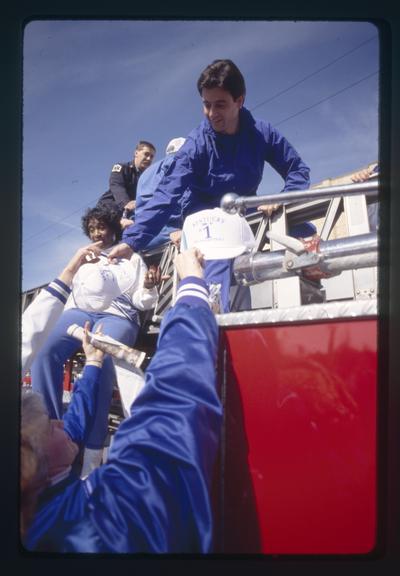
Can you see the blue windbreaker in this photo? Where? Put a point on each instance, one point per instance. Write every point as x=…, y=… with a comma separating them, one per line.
x=209, y=165
x=149, y=182
x=152, y=494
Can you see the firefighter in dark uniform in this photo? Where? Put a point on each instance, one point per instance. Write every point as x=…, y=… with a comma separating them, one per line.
x=121, y=194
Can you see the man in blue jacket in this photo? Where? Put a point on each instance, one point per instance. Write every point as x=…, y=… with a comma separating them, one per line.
x=148, y=183
x=225, y=153
x=152, y=494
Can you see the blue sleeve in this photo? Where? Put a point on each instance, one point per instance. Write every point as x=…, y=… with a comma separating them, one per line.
x=164, y=203
x=152, y=495
x=81, y=411
x=285, y=160
x=148, y=183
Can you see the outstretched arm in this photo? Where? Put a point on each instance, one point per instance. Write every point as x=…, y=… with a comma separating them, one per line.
x=365, y=174
x=81, y=411
x=164, y=202
x=285, y=159
x=41, y=315
x=157, y=478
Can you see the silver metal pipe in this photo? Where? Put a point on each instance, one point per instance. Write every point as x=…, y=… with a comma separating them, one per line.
x=337, y=255
x=233, y=203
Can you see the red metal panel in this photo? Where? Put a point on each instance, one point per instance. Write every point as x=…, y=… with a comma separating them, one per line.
x=299, y=448
x=67, y=378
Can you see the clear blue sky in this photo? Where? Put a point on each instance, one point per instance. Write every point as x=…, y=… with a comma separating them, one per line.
x=92, y=89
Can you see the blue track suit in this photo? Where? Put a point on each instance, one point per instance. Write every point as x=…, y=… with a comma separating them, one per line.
x=209, y=165
x=152, y=494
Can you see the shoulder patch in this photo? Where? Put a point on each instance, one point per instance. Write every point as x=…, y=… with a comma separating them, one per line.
x=116, y=168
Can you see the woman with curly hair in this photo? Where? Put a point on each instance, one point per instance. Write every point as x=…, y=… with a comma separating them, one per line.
x=119, y=318
x=106, y=216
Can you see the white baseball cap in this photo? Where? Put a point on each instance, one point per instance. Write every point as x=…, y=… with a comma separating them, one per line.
x=95, y=285
x=217, y=234
x=174, y=145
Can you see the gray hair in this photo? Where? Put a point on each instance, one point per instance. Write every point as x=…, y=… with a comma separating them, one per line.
x=33, y=469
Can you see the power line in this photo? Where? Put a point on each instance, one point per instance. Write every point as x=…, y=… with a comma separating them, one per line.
x=52, y=240
x=252, y=109
x=56, y=222
x=328, y=97
x=312, y=74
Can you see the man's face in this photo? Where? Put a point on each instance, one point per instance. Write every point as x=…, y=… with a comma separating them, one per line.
x=221, y=109
x=143, y=158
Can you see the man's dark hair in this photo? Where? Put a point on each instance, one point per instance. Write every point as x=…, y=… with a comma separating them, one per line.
x=105, y=215
x=144, y=144
x=223, y=74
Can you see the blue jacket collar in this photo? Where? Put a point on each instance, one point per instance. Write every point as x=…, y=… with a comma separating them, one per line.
x=246, y=122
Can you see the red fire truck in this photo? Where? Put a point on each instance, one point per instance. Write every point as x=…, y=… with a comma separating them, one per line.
x=298, y=468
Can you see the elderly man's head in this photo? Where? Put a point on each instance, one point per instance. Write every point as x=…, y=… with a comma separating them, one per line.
x=46, y=451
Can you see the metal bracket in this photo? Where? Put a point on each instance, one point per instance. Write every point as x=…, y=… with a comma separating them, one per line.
x=298, y=262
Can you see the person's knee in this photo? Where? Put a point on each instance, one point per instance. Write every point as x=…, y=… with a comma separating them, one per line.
x=51, y=354
x=124, y=330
